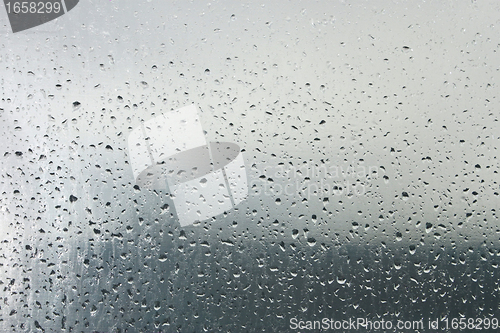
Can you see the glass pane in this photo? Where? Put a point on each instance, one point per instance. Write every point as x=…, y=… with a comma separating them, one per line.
x=276, y=166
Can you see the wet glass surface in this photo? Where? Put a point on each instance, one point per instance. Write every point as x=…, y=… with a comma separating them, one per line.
x=337, y=162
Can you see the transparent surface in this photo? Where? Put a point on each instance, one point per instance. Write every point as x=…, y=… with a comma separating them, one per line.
x=367, y=135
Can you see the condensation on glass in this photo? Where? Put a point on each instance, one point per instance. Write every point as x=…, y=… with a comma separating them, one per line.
x=250, y=167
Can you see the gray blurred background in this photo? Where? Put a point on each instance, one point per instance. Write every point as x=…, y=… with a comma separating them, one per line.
x=394, y=99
